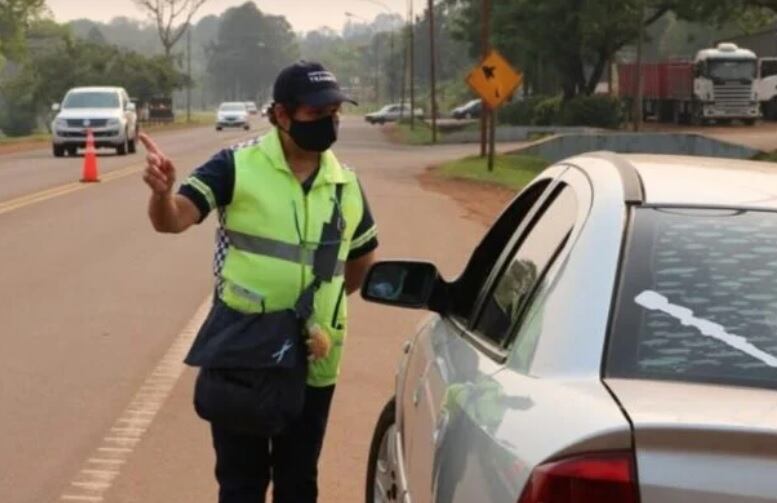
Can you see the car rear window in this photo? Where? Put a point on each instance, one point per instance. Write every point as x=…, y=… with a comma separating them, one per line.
x=698, y=298
x=91, y=100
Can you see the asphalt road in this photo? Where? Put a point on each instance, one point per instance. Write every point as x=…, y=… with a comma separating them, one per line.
x=97, y=310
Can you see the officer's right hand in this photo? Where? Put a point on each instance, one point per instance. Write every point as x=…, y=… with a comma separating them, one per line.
x=159, y=174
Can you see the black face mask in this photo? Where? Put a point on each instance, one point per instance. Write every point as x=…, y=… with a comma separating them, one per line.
x=314, y=136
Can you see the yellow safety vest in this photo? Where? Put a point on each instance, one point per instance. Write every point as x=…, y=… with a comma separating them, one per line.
x=273, y=229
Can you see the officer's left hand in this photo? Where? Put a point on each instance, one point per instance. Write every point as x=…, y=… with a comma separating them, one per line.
x=319, y=343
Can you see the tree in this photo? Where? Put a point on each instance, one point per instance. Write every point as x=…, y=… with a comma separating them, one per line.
x=452, y=59
x=15, y=17
x=57, y=61
x=172, y=18
x=140, y=36
x=96, y=36
x=574, y=38
x=250, y=50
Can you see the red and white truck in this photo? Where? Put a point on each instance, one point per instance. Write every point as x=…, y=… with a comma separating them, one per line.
x=719, y=85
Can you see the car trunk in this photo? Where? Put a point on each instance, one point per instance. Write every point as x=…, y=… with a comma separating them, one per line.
x=702, y=443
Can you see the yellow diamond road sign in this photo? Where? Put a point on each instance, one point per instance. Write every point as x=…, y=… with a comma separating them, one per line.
x=494, y=79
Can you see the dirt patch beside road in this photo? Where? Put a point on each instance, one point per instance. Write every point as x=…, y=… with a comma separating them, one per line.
x=13, y=147
x=482, y=202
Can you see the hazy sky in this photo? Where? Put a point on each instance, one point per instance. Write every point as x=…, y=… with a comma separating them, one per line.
x=304, y=15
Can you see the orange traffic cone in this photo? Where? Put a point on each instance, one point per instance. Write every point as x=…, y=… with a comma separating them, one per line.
x=90, y=160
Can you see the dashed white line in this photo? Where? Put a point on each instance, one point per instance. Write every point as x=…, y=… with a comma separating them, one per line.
x=96, y=475
x=103, y=461
x=81, y=497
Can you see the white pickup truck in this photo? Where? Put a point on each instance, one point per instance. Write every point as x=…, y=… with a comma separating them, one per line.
x=392, y=113
x=107, y=111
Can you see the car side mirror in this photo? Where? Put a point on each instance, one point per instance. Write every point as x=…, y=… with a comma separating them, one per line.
x=55, y=107
x=131, y=107
x=404, y=284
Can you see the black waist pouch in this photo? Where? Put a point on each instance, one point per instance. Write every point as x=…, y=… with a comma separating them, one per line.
x=252, y=370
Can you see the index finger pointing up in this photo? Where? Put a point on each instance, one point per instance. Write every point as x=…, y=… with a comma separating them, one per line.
x=150, y=145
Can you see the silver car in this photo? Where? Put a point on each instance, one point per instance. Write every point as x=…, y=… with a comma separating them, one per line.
x=107, y=111
x=612, y=339
x=232, y=114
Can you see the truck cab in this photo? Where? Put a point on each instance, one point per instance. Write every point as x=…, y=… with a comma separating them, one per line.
x=725, y=84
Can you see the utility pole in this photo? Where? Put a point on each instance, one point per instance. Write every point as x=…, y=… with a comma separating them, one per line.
x=485, y=46
x=637, y=109
x=393, y=64
x=432, y=71
x=412, y=70
x=404, y=76
x=376, y=39
x=189, y=73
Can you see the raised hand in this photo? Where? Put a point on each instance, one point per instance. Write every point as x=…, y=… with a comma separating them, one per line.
x=159, y=174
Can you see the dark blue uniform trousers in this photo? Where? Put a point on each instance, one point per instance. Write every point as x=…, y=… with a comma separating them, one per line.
x=245, y=464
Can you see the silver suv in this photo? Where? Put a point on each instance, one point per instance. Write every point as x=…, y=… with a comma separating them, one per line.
x=612, y=339
x=107, y=111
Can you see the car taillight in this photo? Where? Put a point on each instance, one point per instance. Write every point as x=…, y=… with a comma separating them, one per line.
x=595, y=478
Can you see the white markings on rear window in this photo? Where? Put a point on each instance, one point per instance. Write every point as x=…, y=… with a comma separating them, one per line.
x=654, y=301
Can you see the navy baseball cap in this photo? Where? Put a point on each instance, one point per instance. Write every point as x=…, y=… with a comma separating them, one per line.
x=308, y=83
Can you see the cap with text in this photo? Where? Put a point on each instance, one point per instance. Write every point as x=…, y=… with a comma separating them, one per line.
x=308, y=83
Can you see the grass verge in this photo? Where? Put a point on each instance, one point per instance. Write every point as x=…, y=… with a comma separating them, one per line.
x=420, y=134
x=513, y=171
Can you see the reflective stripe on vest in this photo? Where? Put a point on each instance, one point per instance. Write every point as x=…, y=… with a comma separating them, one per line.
x=276, y=249
x=274, y=228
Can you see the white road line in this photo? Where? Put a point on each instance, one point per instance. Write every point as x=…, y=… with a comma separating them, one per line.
x=79, y=497
x=92, y=486
x=91, y=483
x=103, y=461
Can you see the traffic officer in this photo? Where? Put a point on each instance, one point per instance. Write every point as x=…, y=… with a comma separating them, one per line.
x=274, y=195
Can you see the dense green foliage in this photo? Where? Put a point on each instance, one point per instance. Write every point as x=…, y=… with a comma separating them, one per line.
x=55, y=61
x=595, y=111
x=15, y=18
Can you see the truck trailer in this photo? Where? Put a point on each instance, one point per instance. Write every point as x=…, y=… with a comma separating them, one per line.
x=718, y=85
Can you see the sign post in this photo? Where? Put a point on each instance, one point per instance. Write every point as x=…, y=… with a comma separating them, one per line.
x=494, y=80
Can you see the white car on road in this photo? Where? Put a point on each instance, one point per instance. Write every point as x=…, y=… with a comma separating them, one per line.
x=392, y=113
x=107, y=111
x=232, y=114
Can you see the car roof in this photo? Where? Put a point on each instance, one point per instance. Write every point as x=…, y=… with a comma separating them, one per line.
x=95, y=89
x=707, y=181
x=242, y=103
x=703, y=181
